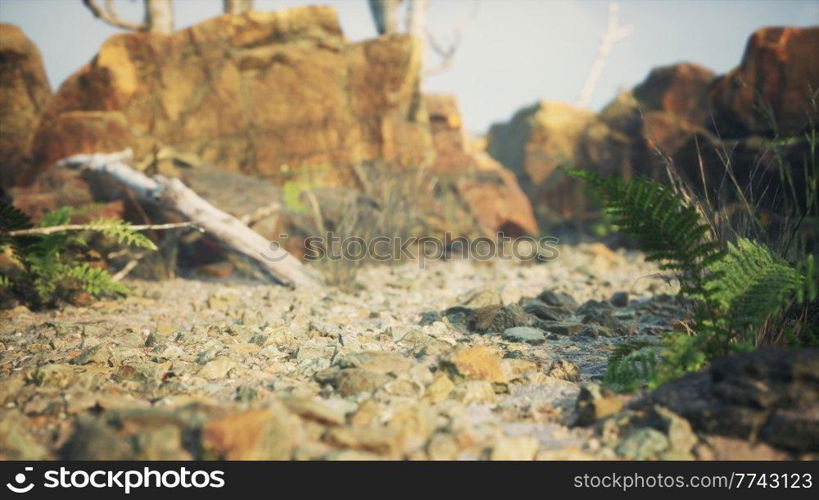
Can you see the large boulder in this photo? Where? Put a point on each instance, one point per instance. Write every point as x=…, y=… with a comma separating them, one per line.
x=263, y=93
x=538, y=139
x=24, y=92
x=679, y=89
x=771, y=394
x=490, y=193
x=533, y=144
x=771, y=90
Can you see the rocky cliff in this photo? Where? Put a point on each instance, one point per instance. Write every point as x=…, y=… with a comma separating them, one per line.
x=24, y=92
x=251, y=93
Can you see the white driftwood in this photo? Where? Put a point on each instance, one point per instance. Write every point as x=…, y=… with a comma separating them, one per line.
x=172, y=194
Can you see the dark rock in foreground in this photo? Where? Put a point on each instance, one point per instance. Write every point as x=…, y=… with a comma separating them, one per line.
x=771, y=395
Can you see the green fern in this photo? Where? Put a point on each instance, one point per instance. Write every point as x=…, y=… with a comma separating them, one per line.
x=669, y=231
x=735, y=293
x=122, y=232
x=47, y=258
x=754, y=284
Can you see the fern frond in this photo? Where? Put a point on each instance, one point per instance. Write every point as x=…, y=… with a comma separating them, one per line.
x=92, y=280
x=754, y=284
x=670, y=232
x=122, y=232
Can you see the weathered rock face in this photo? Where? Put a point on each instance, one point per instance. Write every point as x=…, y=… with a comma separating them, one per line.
x=778, y=73
x=536, y=141
x=447, y=134
x=770, y=393
x=680, y=89
x=490, y=192
x=24, y=91
x=667, y=121
x=251, y=93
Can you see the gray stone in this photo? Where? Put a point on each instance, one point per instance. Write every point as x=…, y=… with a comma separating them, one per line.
x=525, y=334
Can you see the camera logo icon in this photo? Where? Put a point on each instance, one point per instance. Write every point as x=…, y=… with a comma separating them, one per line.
x=20, y=479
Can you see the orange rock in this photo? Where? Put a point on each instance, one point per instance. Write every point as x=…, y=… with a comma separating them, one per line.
x=253, y=93
x=253, y=435
x=24, y=91
x=778, y=72
x=478, y=363
x=679, y=89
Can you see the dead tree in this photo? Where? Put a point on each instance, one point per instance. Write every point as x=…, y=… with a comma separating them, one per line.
x=171, y=194
x=385, y=15
x=158, y=15
x=614, y=33
x=237, y=6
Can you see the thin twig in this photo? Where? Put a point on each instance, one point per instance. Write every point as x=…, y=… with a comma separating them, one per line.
x=127, y=268
x=88, y=227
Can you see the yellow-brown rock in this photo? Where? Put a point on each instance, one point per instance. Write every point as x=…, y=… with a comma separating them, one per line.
x=263, y=93
x=490, y=192
x=24, y=92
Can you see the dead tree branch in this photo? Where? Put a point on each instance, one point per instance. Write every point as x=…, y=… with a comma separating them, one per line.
x=445, y=52
x=172, y=194
x=42, y=231
x=614, y=33
x=109, y=15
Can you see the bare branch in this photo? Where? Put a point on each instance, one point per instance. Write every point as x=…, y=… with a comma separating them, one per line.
x=263, y=212
x=446, y=53
x=614, y=33
x=172, y=194
x=89, y=227
x=109, y=16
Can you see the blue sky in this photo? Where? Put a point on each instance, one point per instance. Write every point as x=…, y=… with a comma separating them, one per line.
x=512, y=53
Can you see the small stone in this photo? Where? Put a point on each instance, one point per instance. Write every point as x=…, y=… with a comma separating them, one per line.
x=476, y=363
x=497, y=318
x=377, y=440
x=544, y=311
x=430, y=317
x=353, y=381
x=558, y=299
x=475, y=392
x=94, y=354
x=515, y=448
x=644, y=444
x=566, y=328
x=218, y=368
x=593, y=403
x=525, y=334
x=619, y=299
x=442, y=447
x=268, y=434
x=439, y=390
x=563, y=370
x=246, y=394
x=315, y=410
x=378, y=362
x=516, y=369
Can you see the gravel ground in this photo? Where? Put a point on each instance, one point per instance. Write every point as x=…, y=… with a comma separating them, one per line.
x=459, y=360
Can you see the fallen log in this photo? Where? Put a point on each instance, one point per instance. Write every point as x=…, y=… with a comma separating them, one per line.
x=173, y=194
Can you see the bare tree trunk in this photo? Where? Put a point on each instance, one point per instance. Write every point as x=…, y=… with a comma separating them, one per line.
x=417, y=18
x=172, y=194
x=159, y=16
x=385, y=15
x=237, y=6
x=614, y=33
